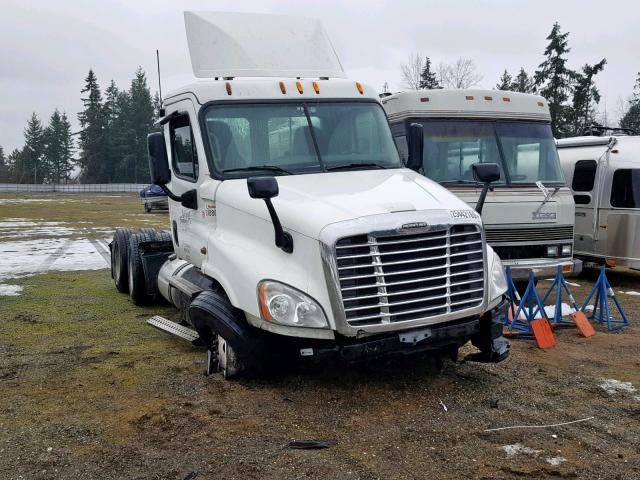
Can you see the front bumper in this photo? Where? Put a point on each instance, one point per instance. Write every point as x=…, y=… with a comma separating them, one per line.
x=543, y=268
x=485, y=332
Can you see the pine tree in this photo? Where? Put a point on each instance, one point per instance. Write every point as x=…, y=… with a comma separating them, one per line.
x=32, y=167
x=585, y=97
x=523, y=83
x=92, y=135
x=631, y=118
x=58, y=152
x=554, y=81
x=4, y=177
x=14, y=160
x=428, y=78
x=505, y=82
x=140, y=123
x=112, y=114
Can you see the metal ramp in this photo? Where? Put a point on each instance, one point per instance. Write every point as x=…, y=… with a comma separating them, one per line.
x=166, y=325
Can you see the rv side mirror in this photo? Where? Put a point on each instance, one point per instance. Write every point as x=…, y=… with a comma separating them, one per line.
x=158, y=161
x=265, y=188
x=416, y=146
x=262, y=187
x=485, y=173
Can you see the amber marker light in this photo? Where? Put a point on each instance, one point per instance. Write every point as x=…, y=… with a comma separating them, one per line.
x=359, y=87
x=316, y=88
x=299, y=87
x=228, y=86
x=263, y=304
x=283, y=89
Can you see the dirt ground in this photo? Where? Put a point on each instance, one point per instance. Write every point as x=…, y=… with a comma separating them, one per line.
x=89, y=391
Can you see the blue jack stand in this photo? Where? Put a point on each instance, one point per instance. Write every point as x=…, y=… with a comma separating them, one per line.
x=560, y=284
x=530, y=305
x=602, y=290
x=514, y=297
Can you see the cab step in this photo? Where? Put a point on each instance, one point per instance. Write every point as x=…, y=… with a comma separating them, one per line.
x=185, y=286
x=166, y=325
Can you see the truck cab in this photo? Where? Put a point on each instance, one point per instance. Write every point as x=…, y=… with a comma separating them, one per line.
x=294, y=227
x=528, y=215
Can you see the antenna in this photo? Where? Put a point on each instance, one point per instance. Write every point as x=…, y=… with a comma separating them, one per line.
x=159, y=82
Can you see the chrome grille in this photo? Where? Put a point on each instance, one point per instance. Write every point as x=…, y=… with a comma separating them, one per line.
x=394, y=278
x=517, y=234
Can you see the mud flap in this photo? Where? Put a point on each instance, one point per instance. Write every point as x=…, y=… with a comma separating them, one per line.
x=493, y=346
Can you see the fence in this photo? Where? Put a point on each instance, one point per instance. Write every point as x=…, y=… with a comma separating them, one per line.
x=71, y=188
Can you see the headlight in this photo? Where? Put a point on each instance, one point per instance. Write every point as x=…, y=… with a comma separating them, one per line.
x=566, y=250
x=285, y=305
x=498, y=281
x=552, y=251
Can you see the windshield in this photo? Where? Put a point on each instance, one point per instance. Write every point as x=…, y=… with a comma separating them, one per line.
x=298, y=137
x=524, y=151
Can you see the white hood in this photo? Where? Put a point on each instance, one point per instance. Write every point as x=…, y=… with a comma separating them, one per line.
x=308, y=203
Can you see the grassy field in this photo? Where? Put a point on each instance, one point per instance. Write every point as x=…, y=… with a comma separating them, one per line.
x=88, y=390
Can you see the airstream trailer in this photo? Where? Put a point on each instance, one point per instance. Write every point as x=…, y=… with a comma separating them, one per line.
x=604, y=175
x=528, y=217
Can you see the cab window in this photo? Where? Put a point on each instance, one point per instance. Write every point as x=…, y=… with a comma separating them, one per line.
x=184, y=157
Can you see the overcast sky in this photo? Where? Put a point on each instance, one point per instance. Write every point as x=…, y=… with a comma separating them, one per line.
x=47, y=47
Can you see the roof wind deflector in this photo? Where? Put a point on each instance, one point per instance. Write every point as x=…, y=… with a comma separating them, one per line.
x=223, y=44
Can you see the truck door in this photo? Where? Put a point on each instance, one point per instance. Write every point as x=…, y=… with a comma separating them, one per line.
x=189, y=172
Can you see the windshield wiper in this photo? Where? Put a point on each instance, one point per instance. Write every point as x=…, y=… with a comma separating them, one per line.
x=273, y=168
x=353, y=166
x=459, y=182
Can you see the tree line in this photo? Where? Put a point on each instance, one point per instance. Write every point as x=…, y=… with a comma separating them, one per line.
x=111, y=146
x=572, y=95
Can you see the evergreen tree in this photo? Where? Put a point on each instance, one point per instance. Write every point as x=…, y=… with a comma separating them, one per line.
x=4, y=177
x=157, y=105
x=140, y=115
x=585, y=97
x=58, y=151
x=523, y=83
x=92, y=135
x=553, y=78
x=14, y=160
x=31, y=166
x=505, y=82
x=631, y=118
x=113, y=135
x=428, y=78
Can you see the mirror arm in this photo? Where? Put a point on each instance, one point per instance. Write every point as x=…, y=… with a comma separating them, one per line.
x=188, y=199
x=483, y=196
x=284, y=240
x=169, y=193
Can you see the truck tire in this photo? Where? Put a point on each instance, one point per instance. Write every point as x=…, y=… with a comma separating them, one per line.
x=227, y=336
x=119, y=259
x=136, y=280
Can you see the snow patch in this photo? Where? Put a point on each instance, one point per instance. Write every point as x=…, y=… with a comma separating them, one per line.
x=518, y=448
x=555, y=461
x=613, y=386
x=7, y=290
x=631, y=293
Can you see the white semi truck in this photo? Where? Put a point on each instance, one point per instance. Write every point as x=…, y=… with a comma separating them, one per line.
x=529, y=213
x=295, y=230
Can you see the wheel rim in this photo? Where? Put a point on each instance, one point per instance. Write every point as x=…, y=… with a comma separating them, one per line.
x=227, y=359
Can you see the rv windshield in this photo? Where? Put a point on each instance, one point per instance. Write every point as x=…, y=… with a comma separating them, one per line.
x=524, y=151
x=294, y=138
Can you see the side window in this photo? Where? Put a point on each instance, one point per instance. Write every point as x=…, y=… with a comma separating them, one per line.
x=403, y=147
x=625, y=190
x=184, y=157
x=584, y=176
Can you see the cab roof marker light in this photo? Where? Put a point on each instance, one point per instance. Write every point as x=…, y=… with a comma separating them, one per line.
x=316, y=88
x=283, y=89
x=506, y=99
x=541, y=104
x=299, y=87
x=487, y=97
x=424, y=99
x=359, y=87
x=469, y=97
x=228, y=87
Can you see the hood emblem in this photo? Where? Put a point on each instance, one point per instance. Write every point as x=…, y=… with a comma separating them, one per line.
x=412, y=227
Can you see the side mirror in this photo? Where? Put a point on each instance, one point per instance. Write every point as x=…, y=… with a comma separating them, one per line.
x=265, y=188
x=158, y=160
x=262, y=187
x=485, y=173
x=416, y=146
